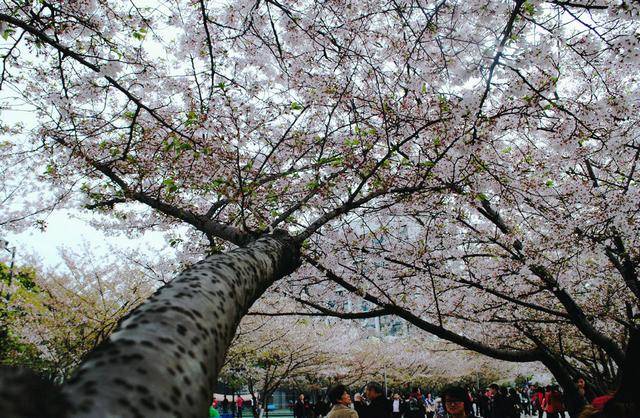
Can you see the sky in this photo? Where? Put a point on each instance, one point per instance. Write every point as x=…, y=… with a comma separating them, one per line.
x=68, y=229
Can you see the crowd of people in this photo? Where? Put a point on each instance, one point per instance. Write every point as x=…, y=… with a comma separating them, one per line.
x=458, y=402
x=454, y=402
x=494, y=402
x=233, y=407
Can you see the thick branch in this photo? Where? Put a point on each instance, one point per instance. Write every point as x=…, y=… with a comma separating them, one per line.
x=574, y=312
x=577, y=315
x=439, y=331
x=621, y=260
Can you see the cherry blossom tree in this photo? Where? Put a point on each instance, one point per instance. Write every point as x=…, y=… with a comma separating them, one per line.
x=55, y=318
x=502, y=134
x=268, y=354
x=306, y=352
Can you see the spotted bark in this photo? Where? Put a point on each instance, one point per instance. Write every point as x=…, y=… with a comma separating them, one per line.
x=164, y=358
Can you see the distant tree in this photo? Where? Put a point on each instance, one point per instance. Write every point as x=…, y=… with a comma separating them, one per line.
x=51, y=321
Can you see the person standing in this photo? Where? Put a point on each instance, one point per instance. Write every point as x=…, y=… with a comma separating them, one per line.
x=322, y=408
x=586, y=397
x=553, y=405
x=525, y=400
x=340, y=399
x=483, y=402
x=299, y=410
x=429, y=405
x=537, y=399
x=415, y=407
x=239, y=404
x=379, y=406
x=513, y=404
x=396, y=406
x=225, y=405
x=457, y=402
x=498, y=404
x=358, y=404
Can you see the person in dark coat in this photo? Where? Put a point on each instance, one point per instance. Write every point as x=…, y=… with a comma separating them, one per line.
x=483, y=402
x=415, y=407
x=379, y=406
x=358, y=404
x=498, y=407
x=299, y=409
x=322, y=408
x=586, y=396
x=513, y=403
x=225, y=404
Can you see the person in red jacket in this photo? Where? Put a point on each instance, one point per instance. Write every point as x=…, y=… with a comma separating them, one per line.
x=552, y=403
x=537, y=397
x=239, y=403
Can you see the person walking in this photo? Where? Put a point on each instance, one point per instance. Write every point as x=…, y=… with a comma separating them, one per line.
x=340, y=399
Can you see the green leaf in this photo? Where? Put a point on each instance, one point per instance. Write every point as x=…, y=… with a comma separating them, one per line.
x=217, y=183
x=140, y=33
x=529, y=8
x=296, y=106
x=7, y=32
x=354, y=142
x=192, y=118
x=443, y=103
x=170, y=184
x=312, y=185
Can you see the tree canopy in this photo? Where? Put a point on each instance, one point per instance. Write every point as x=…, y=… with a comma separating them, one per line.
x=468, y=166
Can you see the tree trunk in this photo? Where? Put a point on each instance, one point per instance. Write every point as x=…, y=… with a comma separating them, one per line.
x=254, y=400
x=566, y=381
x=164, y=358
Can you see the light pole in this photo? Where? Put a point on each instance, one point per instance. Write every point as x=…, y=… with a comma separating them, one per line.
x=378, y=326
x=4, y=245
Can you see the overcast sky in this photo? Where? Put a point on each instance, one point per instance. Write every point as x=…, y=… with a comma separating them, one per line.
x=66, y=229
